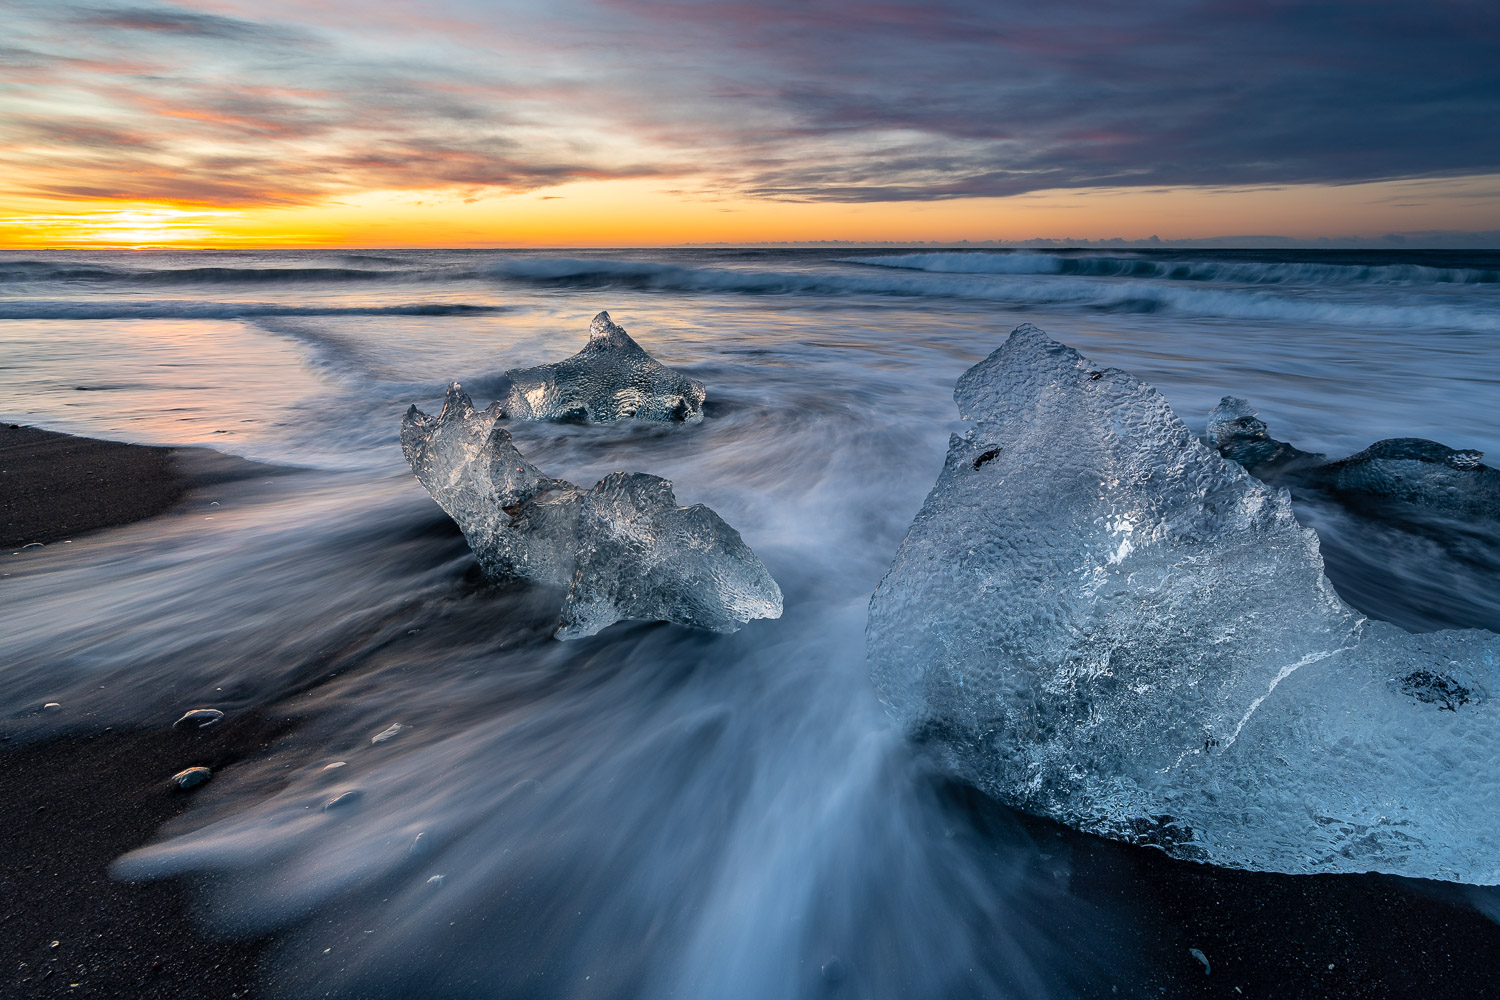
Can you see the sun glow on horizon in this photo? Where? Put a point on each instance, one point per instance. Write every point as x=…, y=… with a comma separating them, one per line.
x=616, y=213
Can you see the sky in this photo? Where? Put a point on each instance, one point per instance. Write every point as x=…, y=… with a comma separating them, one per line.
x=661, y=122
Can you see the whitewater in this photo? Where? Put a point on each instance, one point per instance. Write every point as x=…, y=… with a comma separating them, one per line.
x=652, y=811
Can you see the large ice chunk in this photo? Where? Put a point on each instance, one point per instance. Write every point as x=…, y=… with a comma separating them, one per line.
x=611, y=379
x=624, y=549
x=1096, y=618
x=1413, y=471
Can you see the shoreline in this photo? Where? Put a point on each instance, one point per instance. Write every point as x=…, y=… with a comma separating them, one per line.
x=78, y=800
x=55, y=487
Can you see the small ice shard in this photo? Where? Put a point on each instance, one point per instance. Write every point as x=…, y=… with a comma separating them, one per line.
x=1098, y=619
x=388, y=733
x=192, y=777
x=201, y=718
x=1406, y=470
x=611, y=379
x=623, y=549
x=1241, y=437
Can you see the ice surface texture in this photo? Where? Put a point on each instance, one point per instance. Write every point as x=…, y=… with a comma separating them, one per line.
x=610, y=379
x=624, y=549
x=1096, y=618
x=1402, y=470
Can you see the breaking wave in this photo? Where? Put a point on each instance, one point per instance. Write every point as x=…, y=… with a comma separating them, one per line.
x=1238, y=272
x=34, y=271
x=1017, y=288
x=44, y=309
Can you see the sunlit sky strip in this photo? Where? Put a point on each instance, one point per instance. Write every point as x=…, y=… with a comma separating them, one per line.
x=626, y=122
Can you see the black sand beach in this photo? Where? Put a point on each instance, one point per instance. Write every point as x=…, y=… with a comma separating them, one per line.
x=75, y=803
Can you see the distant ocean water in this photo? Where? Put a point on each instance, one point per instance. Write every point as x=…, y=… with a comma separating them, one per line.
x=652, y=811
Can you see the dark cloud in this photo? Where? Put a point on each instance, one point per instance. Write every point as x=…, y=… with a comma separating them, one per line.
x=274, y=102
x=1012, y=96
x=175, y=21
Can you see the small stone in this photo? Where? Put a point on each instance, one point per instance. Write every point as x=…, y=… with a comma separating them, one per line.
x=192, y=777
x=32, y=545
x=436, y=881
x=52, y=706
x=1202, y=958
x=388, y=733
x=203, y=717
x=832, y=970
x=343, y=799
x=335, y=765
x=420, y=846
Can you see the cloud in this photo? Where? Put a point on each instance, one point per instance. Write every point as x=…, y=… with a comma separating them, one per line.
x=282, y=102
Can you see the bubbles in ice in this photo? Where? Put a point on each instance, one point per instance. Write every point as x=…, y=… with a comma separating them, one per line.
x=624, y=549
x=611, y=379
x=1403, y=470
x=642, y=556
x=1098, y=619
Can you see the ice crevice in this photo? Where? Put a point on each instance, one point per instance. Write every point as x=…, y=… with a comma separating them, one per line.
x=1133, y=698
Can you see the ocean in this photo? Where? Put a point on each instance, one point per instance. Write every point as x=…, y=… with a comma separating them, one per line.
x=652, y=811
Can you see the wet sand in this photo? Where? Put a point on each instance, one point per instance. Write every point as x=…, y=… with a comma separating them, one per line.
x=54, y=487
x=75, y=803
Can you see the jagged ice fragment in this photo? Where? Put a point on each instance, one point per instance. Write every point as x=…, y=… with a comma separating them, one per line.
x=1096, y=618
x=1413, y=471
x=611, y=379
x=623, y=549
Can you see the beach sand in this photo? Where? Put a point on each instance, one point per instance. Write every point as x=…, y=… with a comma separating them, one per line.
x=75, y=803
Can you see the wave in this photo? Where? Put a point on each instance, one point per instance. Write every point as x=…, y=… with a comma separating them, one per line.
x=33, y=271
x=1239, y=272
x=43, y=309
x=1011, y=289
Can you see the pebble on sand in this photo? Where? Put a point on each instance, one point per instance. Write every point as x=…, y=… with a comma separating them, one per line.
x=343, y=799
x=388, y=733
x=192, y=777
x=204, y=717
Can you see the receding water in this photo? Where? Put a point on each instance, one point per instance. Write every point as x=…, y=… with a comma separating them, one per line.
x=653, y=811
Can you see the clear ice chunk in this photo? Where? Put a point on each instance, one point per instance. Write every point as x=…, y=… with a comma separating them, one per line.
x=1405, y=470
x=519, y=522
x=611, y=379
x=642, y=556
x=1096, y=618
x=623, y=549
x=1241, y=436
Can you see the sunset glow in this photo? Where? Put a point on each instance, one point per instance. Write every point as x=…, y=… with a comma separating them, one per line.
x=224, y=123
